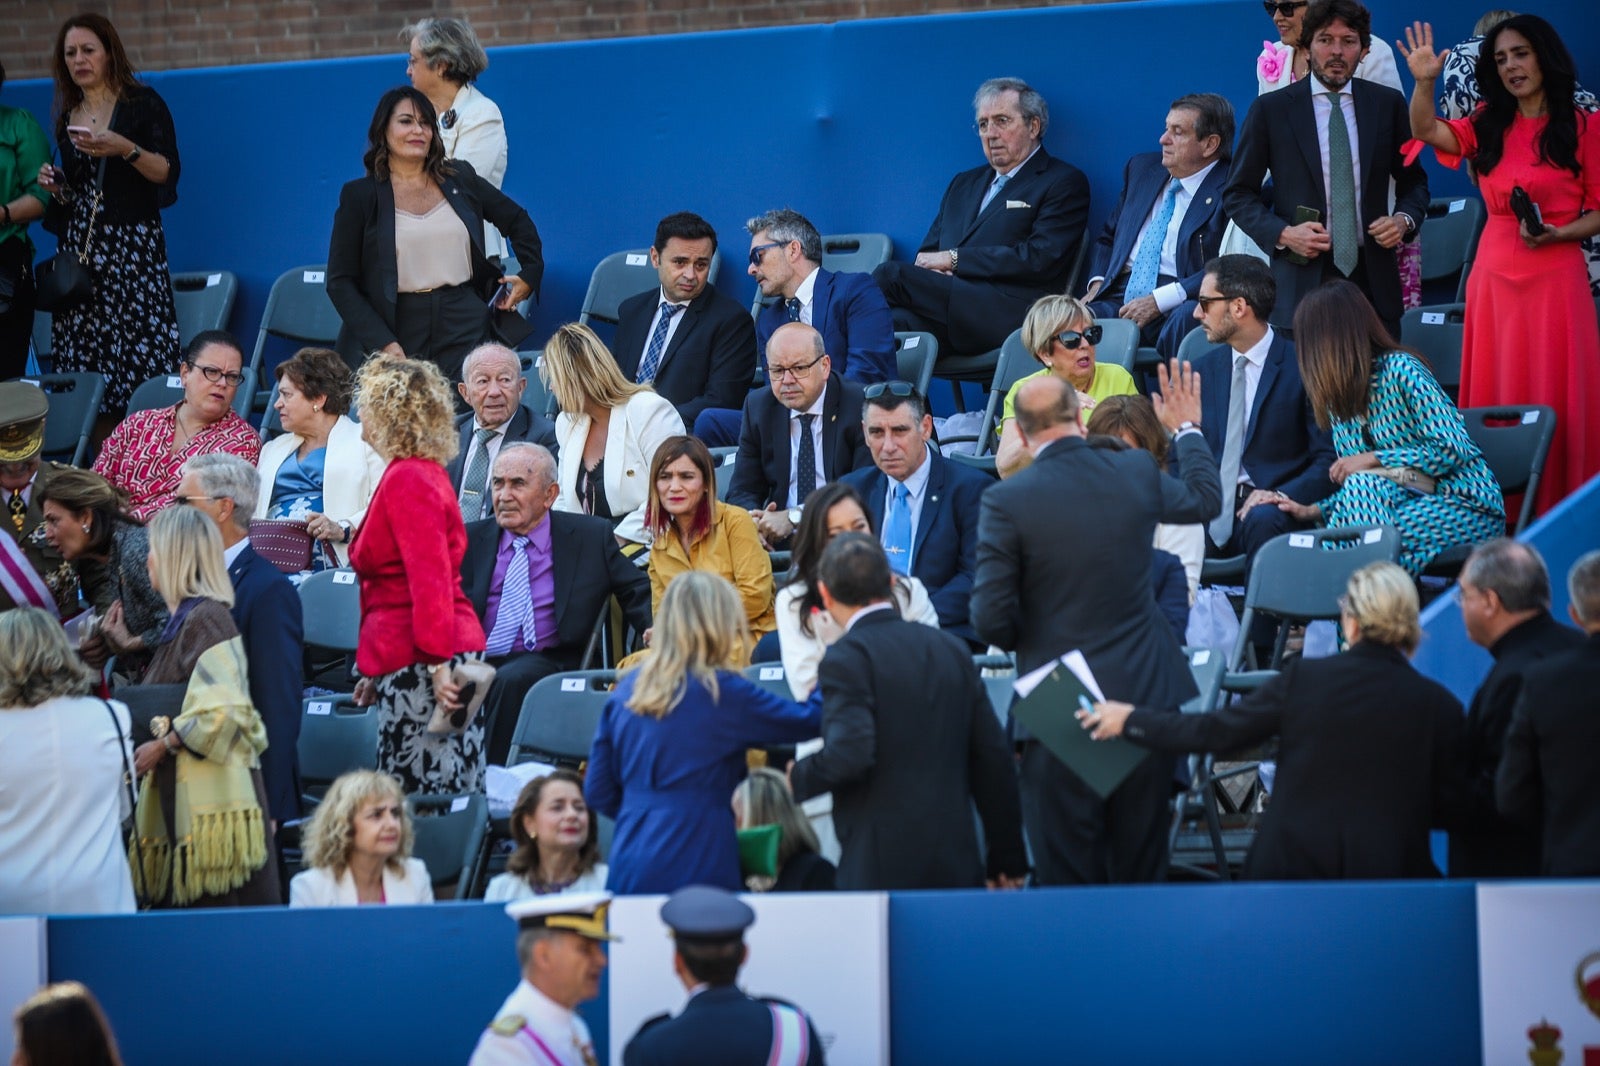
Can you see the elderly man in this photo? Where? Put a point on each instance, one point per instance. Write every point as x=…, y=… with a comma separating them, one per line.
x=1146, y=264
x=32, y=572
x=539, y=580
x=266, y=609
x=1006, y=233
x=559, y=949
x=492, y=385
x=803, y=432
x=1504, y=594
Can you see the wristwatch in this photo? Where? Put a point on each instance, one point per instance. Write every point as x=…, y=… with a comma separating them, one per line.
x=348, y=530
x=794, y=516
x=133, y=156
x=1184, y=427
x=160, y=726
x=955, y=259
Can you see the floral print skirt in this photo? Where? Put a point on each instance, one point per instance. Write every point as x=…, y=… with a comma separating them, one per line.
x=423, y=762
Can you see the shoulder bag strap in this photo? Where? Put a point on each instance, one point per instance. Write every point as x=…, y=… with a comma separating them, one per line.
x=123, y=743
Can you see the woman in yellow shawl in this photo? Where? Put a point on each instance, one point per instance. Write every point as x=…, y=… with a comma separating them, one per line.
x=202, y=839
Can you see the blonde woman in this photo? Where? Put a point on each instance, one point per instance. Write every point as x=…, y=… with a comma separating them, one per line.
x=764, y=799
x=607, y=433
x=204, y=838
x=1367, y=746
x=358, y=848
x=416, y=623
x=671, y=744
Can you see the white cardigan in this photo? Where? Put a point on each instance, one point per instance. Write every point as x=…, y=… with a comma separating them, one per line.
x=350, y=474
x=478, y=138
x=316, y=887
x=802, y=652
x=637, y=429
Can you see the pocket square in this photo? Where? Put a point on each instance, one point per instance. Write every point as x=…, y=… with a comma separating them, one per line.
x=1017, y=203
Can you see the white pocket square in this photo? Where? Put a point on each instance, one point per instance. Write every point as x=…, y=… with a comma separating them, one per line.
x=1017, y=203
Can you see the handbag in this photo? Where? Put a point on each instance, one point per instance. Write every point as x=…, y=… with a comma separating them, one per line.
x=62, y=282
x=141, y=897
x=474, y=678
x=286, y=543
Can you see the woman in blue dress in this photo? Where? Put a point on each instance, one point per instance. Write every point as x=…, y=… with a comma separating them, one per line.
x=672, y=740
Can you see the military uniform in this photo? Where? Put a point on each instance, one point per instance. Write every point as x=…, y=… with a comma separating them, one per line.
x=22, y=413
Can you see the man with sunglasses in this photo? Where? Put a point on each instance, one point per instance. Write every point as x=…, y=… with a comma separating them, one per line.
x=801, y=433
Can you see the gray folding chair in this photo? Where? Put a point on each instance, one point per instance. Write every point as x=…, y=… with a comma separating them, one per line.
x=770, y=677
x=1515, y=441
x=999, y=676
x=1118, y=341
x=1194, y=345
x=1437, y=333
x=330, y=602
x=1015, y=363
x=203, y=300
x=164, y=391
x=1449, y=237
x=1199, y=800
x=559, y=717
x=859, y=253
x=74, y=401
x=619, y=276
x=449, y=837
x=914, y=356
x=298, y=310
x=336, y=737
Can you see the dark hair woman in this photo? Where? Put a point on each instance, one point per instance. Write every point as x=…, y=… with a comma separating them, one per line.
x=558, y=842
x=63, y=1023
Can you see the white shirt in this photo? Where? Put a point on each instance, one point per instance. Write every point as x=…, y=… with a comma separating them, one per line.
x=672, y=327
x=230, y=554
x=871, y=608
x=1255, y=359
x=803, y=294
x=816, y=445
x=1172, y=294
x=1321, y=107
x=916, y=488
x=510, y=887
x=1013, y=171
x=557, y=1028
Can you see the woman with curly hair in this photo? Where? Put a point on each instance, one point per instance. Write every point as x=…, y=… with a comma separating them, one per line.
x=416, y=623
x=357, y=848
x=558, y=842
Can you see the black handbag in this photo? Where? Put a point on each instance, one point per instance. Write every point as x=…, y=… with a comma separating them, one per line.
x=62, y=282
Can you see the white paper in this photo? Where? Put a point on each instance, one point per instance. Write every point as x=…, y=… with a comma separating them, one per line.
x=1372, y=536
x=1200, y=657
x=911, y=342
x=32, y=381
x=319, y=707
x=573, y=684
x=1433, y=318
x=1530, y=417
x=503, y=784
x=459, y=804
x=1302, y=540
x=213, y=279
x=771, y=673
x=637, y=259
x=1457, y=205
x=313, y=277
x=1073, y=661
x=344, y=577
x=174, y=381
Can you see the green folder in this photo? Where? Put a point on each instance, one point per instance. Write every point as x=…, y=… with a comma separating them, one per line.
x=1050, y=713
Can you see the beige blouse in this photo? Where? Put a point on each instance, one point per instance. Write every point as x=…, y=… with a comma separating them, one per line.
x=431, y=250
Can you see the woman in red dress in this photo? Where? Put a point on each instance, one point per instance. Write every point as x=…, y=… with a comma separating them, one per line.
x=1531, y=332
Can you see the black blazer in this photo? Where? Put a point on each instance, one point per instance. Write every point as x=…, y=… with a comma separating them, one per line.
x=720, y=1026
x=1021, y=247
x=266, y=608
x=711, y=359
x=1547, y=774
x=1368, y=761
x=761, y=470
x=911, y=745
x=1280, y=135
x=588, y=568
x=363, y=280
x=1064, y=562
x=526, y=425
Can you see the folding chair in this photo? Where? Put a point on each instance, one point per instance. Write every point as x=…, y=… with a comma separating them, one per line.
x=914, y=356
x=1450, y=232
x=74, y=401
x=619, y=276
x=203, y=300
x=298, y=310
x=450, y=834
x=859, y=253
x=1437, y=333
x=271, y=423
x=559, y=717
x=336, y=737
x=330, y=603
x=1194, y=345
x=984, y=463
x=770, y=677
x=1199, y=798
x=1015, y=363
x=1515, y=441
x=999, y=675
x=1118, y=342
x=41, y=338
x=536, y=397
x=164, y=391
x=724, y=472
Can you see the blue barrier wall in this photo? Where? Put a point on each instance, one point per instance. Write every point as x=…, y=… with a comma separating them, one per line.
x=859, y=125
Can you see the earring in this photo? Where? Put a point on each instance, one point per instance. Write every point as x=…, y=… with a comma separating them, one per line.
x=86, y=527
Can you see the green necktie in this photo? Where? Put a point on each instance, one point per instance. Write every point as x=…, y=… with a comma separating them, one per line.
x=1345, y=228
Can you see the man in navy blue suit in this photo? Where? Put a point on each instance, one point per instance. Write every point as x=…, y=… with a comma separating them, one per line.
x=1252, y=398
x=266, y=609
x=1146, y=264
x=924, y=507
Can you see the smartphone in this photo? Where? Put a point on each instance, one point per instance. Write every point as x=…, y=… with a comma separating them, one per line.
x=499, y=294
x=1523, y=207
x=458, y=717
x=1302, y=215
x=80, y=131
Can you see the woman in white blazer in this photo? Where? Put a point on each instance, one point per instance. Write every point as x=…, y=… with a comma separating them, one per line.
x=319, y=471
x=357, y=848
x=608, y=431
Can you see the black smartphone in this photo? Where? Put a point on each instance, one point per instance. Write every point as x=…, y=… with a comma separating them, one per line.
x=1302, y=215
x=458, y=717
x=1526, y=210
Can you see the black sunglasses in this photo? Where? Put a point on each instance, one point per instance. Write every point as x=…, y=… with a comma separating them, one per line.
x=902, y=389
x=1206, y=301
x=760, y=250
x=1071, y=338
x=1287, y=8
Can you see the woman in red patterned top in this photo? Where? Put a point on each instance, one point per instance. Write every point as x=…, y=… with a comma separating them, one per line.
x=144, y=455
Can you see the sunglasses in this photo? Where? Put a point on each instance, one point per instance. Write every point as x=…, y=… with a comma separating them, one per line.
x=761, y=249
x=1206, y=301
x=1071, y=338
x=1287, y=8
x=902, y=389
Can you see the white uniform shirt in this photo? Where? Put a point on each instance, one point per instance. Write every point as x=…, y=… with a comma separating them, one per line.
x=549, y=1033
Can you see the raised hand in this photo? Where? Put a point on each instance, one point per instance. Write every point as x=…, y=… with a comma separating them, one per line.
x=1418, y=50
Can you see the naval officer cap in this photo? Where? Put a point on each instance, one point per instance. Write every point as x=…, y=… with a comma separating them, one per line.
x=583, y=913
x=702, y=912
x=22, y=409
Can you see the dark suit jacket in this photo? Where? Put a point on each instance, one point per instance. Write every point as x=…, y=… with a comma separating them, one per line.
x=1489, y=845
x=944, y=552
x=363, y=280
x=588, y=568
x=526, y=425
x=710, y=360
x=1547, y=774
x=1144, y=180
x=857, y=329
x=1010, y=256
x=266, y=608
x=1280, y=135
x=911, y=744
x=720, y=1026
x=1284, y=449
x=1367, y=763
x=761, y=470
x=1064, y=563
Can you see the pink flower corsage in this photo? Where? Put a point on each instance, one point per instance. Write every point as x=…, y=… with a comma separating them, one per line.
x=1271, y=62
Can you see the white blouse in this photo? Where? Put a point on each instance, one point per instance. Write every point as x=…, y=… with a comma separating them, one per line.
x=802, y=652
x=510, y=887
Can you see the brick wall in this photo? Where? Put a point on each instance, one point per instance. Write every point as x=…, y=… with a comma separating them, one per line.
x=168, y=34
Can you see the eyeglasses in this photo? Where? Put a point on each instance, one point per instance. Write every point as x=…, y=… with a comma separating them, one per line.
x=1206, y=301
x=215, y=374
x=1287, y=8
x=759, y=250
x=1071, y=338
x=1000, y=123
x=194, y=499
x=901, y=389
x=777, y=373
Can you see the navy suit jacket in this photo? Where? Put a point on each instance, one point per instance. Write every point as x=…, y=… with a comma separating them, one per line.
x=944, y=552
x=1284, y=449
x=853, y=318
x=1144, y=180
x=718, y=1025
x=266, y=608
x=710, y=360
x=526, y=425
x=761, y=470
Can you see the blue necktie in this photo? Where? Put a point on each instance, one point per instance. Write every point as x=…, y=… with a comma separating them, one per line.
x=516, y=605
x=792, y=305
x=1147, y=260
x=658, y=343
x=897, y=531
x=994, y=189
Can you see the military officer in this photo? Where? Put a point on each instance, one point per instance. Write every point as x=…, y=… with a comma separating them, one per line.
x=31, y=571
x=720, y=1025
x=559, y=947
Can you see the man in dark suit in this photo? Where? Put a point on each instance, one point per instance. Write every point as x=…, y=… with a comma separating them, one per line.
x=695, y=344
x=492, y=385
x=1546, y=776
x=571, y=566
x=1006, y=234
x=1335, y=162
x=802, y=433
x=1504, y=595
x=266, y=608
x=910, y=743
x=1263, y=434
x=1063, y=565
x=1146, y=264
x=924, y=507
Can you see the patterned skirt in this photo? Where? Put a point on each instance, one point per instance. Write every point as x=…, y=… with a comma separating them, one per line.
x=424, y=762
x=127, y=330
